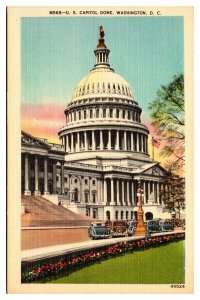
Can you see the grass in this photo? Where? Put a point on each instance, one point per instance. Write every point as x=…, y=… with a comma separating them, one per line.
x=161, y=265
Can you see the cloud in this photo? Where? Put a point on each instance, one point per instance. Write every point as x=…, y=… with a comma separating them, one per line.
x=43, y=120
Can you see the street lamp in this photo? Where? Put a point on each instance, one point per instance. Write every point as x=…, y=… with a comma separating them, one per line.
x=140, y=228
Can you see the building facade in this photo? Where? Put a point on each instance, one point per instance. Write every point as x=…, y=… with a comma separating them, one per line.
x=103, y=152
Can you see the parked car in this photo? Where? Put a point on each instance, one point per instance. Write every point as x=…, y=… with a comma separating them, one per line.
x=98, y=231
x=152, y=226
x=166, y=225
x=131, y=227
x=119, y=228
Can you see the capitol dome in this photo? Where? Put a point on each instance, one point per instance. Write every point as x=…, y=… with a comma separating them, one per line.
x=102, y=80
x=103, y=121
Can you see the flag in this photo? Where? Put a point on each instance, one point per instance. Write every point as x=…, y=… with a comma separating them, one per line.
x=155, y=143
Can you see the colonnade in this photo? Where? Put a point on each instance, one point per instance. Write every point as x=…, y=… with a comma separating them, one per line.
x=27, y=175
x=123, y=192
x=103, y=112
x=105, y=140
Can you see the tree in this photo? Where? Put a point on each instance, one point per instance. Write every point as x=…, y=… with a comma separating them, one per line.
x=167, y=114
x=173, y=193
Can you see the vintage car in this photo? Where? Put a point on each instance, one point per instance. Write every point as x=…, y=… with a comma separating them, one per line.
x=98, y=230
x=166, y=225
x=152, y=226
x=131, y=227
x=119, y=228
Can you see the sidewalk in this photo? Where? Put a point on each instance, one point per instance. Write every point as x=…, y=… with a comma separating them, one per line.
x=53, y=251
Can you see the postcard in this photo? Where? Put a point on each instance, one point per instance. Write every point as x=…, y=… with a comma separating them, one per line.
x=100, y=143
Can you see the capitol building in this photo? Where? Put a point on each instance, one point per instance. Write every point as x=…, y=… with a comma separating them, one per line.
x=103, y=153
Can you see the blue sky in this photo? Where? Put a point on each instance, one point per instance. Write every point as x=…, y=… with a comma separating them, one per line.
x=58, y=51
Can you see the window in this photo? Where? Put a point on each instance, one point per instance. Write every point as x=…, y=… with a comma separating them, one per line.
x=86, y=181
x=111, y=113
x=85, y=114
x=79, y=115
x=75, y=180
x=123, y=116
x=117, y=113
x=94, y=198
x=129, y=115
x=74, y=116
x=104, y=112
x=65, y=179
x=86, y=196
x=57, y=178
x=97, y=113
x=93, y=182
x=91, y=113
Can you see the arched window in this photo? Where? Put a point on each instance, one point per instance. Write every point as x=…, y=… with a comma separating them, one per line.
x=91, y=113
x=98, y=88
x=85, y=114
x=97, y=113
x=126, y=215
x=122, y=215
x=123, y=114
x=119, y=90
x=116, y=215
x=108, y=215
x=103, y=87
x=108, y=87
x=123, y=92
x=114, y=88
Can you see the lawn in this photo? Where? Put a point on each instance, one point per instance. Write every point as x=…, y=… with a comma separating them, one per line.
x=164, y=265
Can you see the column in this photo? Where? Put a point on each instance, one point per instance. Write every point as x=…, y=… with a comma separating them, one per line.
x=149, y=191
x=105, y=191
x=102, y=190
x=112, y=191
x=122, y=192
x=85, y=140
x=62, y=178
x=72, y=142
x=117, y=140
x=145, y=193
x=54, y=178
x=118, y=192
x=93, y=141
x=98, y=190
x=162, y=194
x=157, y=193
x=27, y=191
x=46, y=192
x=132, y=141
x=154, y=192
x=125, y=142
x=36, y=192
x=67, y=143
x=133, y=194
x=138, y=142
x=101, y=140
x=109, y=139
x=78, y=142
x=142, y=142
x=128, y=196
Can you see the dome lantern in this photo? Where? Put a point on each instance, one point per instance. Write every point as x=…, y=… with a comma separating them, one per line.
x=101, y=52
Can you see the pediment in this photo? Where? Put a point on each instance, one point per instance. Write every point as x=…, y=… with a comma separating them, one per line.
x=29, y=140
x=155, y=170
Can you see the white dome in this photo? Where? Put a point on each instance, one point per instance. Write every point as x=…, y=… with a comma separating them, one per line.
x=102, y=81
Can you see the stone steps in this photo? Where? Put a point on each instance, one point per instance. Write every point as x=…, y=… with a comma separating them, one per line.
x=41, y=212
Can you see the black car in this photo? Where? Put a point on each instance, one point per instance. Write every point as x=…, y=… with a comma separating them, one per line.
x=98, y=231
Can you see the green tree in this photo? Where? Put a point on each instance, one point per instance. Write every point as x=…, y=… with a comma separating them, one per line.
x=168, y=119
x=173, y=193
